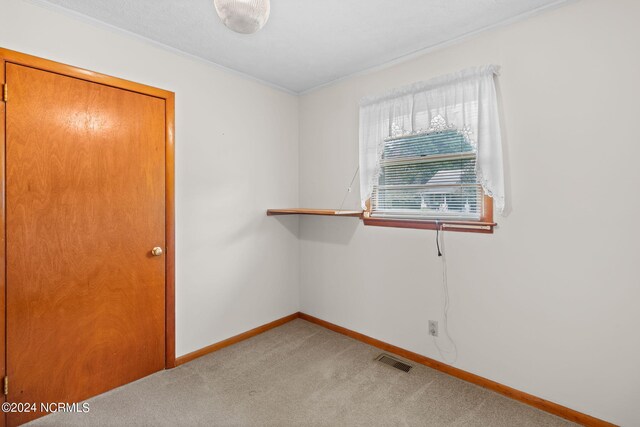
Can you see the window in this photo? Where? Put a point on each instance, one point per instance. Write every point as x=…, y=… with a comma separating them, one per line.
x=430, y=154
x=428, y=176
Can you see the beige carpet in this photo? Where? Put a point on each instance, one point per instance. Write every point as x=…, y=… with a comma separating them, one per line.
x=300, y=374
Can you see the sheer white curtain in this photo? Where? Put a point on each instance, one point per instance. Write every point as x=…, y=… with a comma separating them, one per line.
x=465, y=101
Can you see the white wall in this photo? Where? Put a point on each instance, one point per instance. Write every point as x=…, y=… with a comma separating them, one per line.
x=549, y=303
x=236, y=154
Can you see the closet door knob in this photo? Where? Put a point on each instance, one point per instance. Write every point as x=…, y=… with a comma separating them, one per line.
x=157, y=251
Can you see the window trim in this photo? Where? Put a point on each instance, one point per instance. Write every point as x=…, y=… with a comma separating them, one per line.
x=484, y=225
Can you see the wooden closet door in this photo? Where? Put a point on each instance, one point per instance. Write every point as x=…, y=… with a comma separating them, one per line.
x=85, y=205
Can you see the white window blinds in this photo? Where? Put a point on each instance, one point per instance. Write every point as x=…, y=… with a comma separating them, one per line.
x=430, y=175
x=432, y=149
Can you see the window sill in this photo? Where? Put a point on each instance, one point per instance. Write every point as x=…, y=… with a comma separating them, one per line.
x=484, y=226
x=461, y=226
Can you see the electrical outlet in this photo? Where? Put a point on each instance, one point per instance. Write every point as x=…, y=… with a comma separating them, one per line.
x=433, y=328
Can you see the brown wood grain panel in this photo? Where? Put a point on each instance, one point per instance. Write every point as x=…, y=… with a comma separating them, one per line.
x=85, y=195
x=170, y=255
x=9, y=56
x=2, y=241
x=79, y=73
x=545, y=405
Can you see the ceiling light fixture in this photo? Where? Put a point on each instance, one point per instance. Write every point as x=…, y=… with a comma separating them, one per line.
x=243, y=16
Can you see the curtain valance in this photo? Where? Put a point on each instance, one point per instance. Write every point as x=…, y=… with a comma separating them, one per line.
x=465, y=101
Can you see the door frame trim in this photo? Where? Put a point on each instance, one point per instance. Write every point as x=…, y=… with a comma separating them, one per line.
x=9, y=56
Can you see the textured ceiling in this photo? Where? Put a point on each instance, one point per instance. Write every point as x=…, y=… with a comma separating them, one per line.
x=306, y=43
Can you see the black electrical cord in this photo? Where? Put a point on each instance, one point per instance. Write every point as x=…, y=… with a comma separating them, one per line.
x=438, y=239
